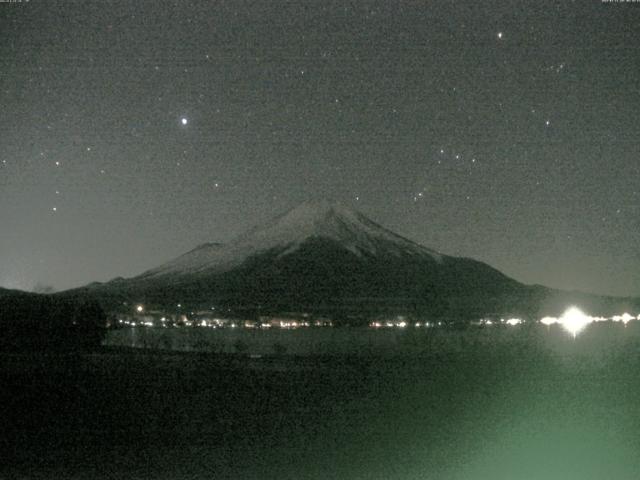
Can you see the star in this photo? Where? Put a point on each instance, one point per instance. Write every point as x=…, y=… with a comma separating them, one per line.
x=55, y=209
x=184, y=120
x=499, y=35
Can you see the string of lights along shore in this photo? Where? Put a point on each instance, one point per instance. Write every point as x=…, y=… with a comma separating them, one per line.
x=506, y=132
x=573, y=321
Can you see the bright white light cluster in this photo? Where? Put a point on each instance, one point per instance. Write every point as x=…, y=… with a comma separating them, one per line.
x=512, y=322
x=401, y=324
x=548, y=321
x=624, y=318
x=574, y=320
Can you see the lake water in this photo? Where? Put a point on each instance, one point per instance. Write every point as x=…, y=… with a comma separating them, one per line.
x=529, y=403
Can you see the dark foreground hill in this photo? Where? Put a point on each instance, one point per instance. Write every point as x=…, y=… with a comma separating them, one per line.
x=34, y=322
x=324, y=258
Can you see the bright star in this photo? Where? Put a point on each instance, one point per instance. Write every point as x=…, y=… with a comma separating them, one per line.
x=184, y=120
x=500, y=35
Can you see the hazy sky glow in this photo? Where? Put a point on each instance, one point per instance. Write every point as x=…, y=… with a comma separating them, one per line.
x=504, y=131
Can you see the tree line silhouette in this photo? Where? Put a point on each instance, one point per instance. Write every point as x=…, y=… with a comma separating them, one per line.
x=35, y=322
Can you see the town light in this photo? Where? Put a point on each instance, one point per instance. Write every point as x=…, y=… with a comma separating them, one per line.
x=624, y=318
x=574, y=320
x=548, y=321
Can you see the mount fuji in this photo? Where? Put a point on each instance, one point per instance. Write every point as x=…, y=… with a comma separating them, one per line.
x=325, y=258
x=323, y=221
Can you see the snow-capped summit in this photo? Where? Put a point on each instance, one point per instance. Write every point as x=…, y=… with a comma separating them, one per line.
x=333, y=221
x=324, y=220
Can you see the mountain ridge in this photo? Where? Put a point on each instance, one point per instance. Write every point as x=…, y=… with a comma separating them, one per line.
x=324, y=258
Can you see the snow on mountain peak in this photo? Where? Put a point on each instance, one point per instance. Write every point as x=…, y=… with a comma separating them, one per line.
x=309, y=219
x=323, y=219
x=327, y=220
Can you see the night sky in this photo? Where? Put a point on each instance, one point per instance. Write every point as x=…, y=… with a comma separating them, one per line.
x=130, y=132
